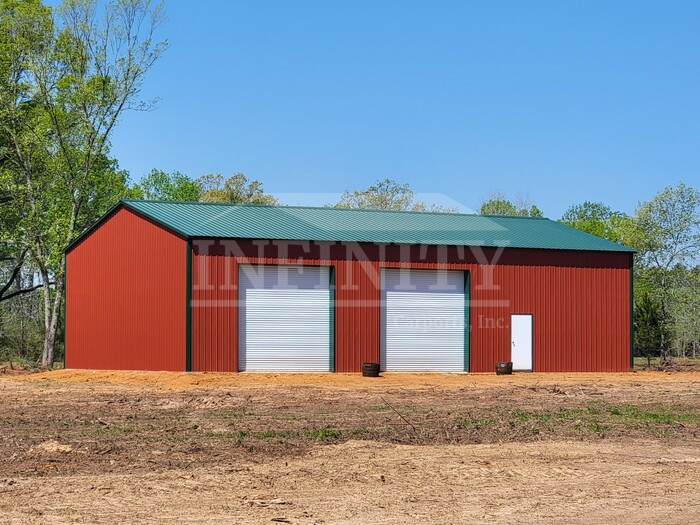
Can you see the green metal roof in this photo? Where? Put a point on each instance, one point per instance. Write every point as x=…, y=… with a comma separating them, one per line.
x=195, y=219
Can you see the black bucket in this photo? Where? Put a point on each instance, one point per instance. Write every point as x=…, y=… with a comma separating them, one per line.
x=504, y=368
x=370, y=369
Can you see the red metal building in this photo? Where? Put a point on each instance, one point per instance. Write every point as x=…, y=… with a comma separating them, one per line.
x=206, y=287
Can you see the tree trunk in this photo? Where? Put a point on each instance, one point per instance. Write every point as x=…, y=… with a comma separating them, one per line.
x=46, y=291
x=52, y=310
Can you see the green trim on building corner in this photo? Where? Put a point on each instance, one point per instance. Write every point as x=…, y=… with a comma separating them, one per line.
x=65, y=312
x=188, y=306
x=631, y=311
x=331, y=317
x=467, y=326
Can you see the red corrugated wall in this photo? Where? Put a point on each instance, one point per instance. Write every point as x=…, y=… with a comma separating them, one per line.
x=125, y=297
x=214, y=312
x=579, y=300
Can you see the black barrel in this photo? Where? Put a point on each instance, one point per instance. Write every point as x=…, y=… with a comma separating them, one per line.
x=504, y=368
x=370, y=369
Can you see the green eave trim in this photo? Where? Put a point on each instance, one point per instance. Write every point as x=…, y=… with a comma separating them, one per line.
x=188, y=306
x=631, y=311
x=331, y=317
x=467, y=325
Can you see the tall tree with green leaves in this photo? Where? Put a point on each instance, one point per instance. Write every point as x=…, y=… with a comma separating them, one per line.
x=599, y=219
x=685, y=310
x=162, y=186
x=237, y=189
x=498, y=204
x=667, y=237
x=68, y=75
x=669, y=228
x=387, y=194
x=650, y=329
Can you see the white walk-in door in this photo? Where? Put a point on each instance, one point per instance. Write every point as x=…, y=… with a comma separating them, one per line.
x=521, y=341
x=284, y=318
x=422, y=321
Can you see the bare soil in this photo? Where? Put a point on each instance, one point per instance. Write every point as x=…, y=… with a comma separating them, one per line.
x=142, y=447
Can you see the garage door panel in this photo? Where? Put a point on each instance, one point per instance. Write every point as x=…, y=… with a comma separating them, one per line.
x=423, y=314
x=284, y=319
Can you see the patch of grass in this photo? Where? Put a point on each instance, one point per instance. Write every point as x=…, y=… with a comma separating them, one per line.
x=598, y=428
x=379, y=408
x=664, y=416
x=322, y=433
x=599, y=417
x=120, y=429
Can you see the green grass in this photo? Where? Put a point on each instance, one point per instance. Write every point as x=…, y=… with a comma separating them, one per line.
x=117, y=429
x=598, y=428
x=597, y=417
x=661, y=416
x=323, y=433
x=600, y=417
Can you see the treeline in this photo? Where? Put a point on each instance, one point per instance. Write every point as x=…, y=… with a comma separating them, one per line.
x=69, y=73
x=665, y=232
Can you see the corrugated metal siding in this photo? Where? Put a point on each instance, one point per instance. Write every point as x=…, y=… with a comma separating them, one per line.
x=356, y=314
x=214, y=312
x=579, y=301
x=125, y=297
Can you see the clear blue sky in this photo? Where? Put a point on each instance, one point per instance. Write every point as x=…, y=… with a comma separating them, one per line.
x=563, y=101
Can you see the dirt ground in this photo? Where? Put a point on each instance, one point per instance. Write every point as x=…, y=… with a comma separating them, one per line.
x=140, y=447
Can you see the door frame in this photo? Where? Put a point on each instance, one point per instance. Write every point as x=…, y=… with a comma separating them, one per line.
x=532, y=341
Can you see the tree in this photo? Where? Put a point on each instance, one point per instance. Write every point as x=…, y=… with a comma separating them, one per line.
x=67, y=77
x=498, y=204
x=162, y=186
x=235, y=190
x=599, y=219
x=669, y=227
x=650, y=330
x=667, y=237
x=387, y=194
x=685, y=310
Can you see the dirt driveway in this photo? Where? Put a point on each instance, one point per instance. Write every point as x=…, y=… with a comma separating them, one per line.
x=116, y=447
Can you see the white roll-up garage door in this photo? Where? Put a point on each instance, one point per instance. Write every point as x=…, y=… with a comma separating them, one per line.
x=422, y=322
x=284, y=318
